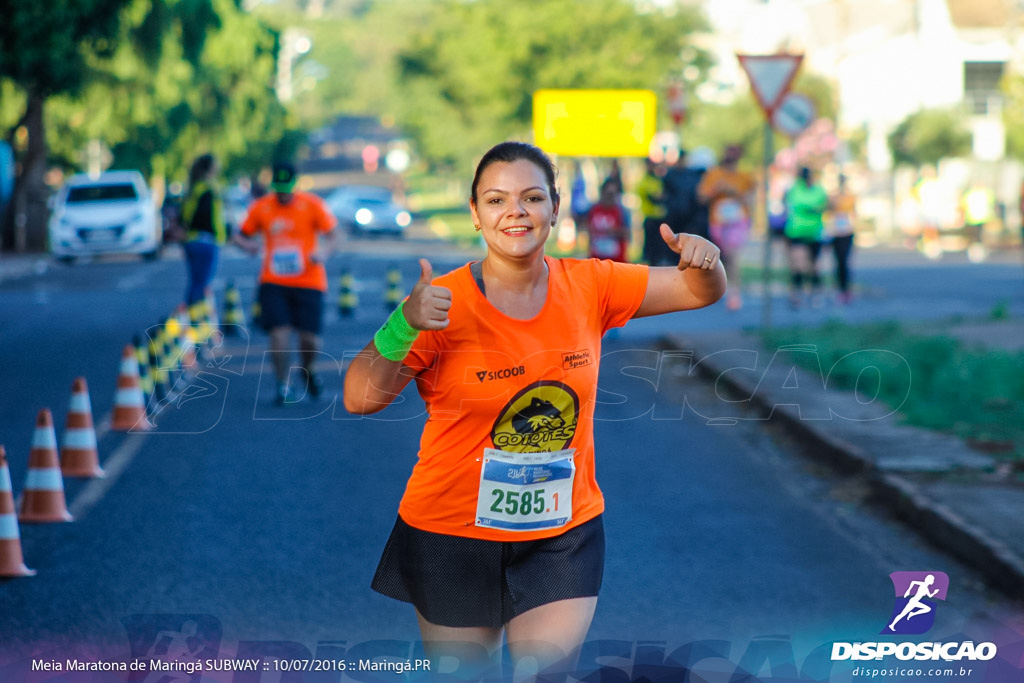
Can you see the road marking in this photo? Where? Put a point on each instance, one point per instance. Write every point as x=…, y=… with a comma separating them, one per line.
x=114, y=467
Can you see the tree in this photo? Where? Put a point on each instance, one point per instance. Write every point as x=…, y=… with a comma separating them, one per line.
x=929, y=136
x=41, y=46
x=742, y=121
x=468, y=71
x=172, y=92
x=158, y=82
x=1013, y=114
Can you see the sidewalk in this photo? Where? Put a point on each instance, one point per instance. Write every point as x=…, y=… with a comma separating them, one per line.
x=14, y=266
x=953, y=495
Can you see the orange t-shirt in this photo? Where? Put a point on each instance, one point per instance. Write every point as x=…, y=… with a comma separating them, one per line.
x=728, y=207
x=290, y=232
x=524, y=387
x=841, y=217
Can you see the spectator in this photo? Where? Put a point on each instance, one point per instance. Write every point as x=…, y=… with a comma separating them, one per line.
x=729, y=194
x=683, y=212
x=650, y=191
x=807, y=202
x=842, y=219
x=202, y=217
x=978, y=210
x=579, y=203
x=606, y=226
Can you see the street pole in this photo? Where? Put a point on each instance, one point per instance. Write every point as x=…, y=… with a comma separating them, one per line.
x=766, y=305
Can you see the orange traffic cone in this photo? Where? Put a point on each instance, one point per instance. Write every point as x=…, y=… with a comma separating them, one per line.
x=11, y=561
x=129, y=403
x=78, y=455
x=42, y=499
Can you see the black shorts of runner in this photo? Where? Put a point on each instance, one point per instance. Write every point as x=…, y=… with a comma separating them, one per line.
x=300, y=308
x=461, y=582
x=813, y=246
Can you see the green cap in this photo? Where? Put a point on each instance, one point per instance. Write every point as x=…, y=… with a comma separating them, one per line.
x=283, y=179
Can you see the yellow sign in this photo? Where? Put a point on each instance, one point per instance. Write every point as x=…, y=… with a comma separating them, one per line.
x=599, y=123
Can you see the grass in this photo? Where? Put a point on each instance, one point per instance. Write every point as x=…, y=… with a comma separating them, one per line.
x=975, y=394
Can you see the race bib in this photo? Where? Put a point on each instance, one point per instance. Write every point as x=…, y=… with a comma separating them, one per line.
x=842, y=224
x=286, y=262
x=606, y=247
x=525, y=491
x=729, y=211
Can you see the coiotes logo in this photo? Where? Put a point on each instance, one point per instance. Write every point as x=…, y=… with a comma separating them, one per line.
x=540, y=418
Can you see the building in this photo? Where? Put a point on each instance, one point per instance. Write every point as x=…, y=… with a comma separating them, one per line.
x=888, y=59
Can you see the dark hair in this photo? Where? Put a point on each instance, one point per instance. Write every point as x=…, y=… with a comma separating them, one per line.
x=201, y=168
x=507, y=152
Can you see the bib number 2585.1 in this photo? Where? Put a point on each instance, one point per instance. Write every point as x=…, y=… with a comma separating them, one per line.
x=525, y=491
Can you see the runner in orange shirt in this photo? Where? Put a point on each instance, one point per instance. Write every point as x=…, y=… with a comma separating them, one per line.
x=505, y=353
x=298, y=235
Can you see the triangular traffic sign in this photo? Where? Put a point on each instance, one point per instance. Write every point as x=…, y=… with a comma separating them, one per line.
x=770, y=77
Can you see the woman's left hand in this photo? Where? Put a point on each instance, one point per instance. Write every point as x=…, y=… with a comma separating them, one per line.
x=694, y=251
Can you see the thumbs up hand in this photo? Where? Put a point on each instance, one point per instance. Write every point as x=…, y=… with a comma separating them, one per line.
x=427, y=307
x=694, y=251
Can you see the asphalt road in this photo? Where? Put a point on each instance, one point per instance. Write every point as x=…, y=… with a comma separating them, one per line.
x=243, y=529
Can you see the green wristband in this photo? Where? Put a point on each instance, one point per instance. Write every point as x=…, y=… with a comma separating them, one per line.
x=395, y=337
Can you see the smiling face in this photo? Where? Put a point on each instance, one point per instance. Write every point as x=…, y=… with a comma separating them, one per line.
x=514, y=208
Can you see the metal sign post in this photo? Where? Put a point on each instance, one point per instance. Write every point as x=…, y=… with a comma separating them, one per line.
x=771, y=77
x=766, y=272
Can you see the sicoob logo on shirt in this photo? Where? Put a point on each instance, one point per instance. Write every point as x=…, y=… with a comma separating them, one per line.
x=540, y=418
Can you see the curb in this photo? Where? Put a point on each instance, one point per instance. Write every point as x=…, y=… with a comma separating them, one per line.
x=906, y=501
x=950, y=531
x=17, y=266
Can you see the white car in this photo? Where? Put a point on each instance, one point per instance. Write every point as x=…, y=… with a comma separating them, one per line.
x=110, y=214
x=368, y=209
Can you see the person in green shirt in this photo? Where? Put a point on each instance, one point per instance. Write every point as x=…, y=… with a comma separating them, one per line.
x=807, y=203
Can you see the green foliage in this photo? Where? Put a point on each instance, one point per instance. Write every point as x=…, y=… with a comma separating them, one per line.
x=928, y=137
x=1013, y=113
x=820, y=90
x=742, y=121
x=1001, y=311
x=12, y=104
x=975, y=394
x=41, y=42
x=169, y=92
x=468, y=70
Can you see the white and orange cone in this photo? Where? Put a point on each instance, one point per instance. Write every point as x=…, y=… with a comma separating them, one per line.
x=12, y=563
x=129, y=402
x=78, y=454
x=42, y=499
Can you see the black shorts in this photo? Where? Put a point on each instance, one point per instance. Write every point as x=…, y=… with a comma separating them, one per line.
x=460, y=582
x=296, y=307
x=813, y=246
